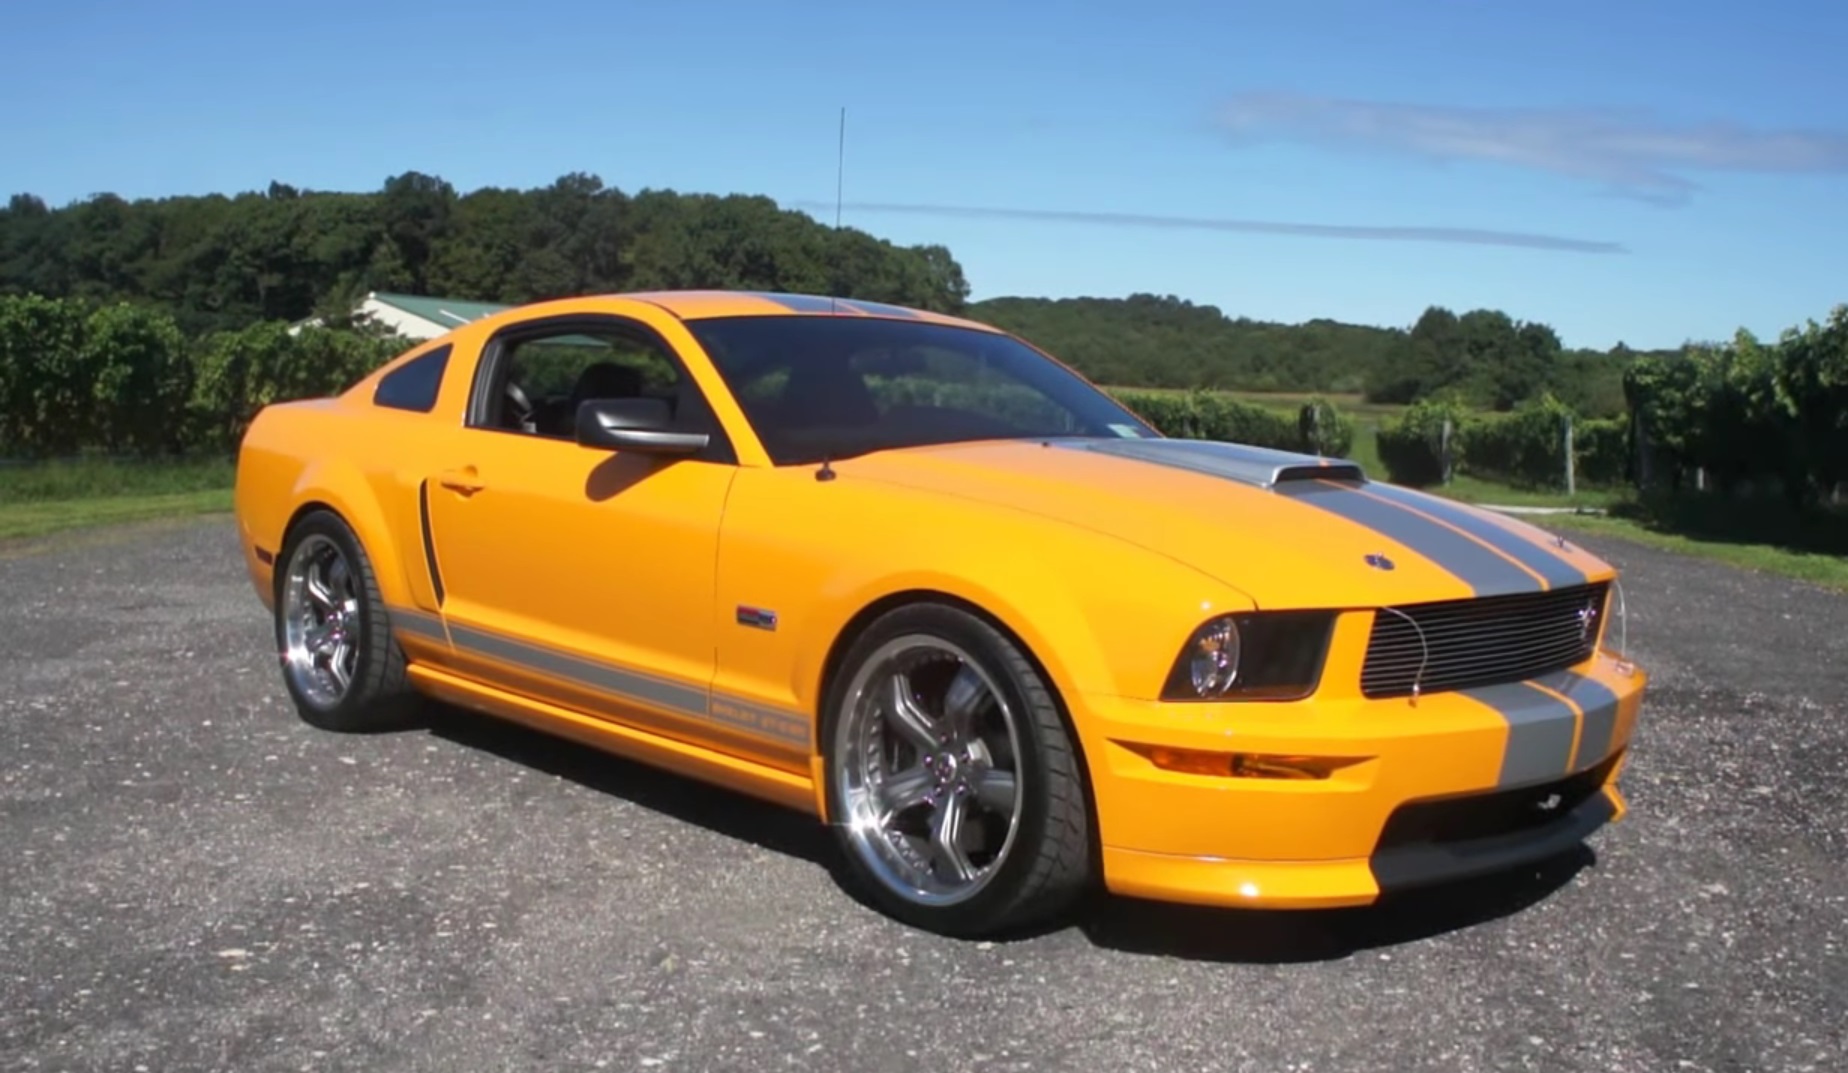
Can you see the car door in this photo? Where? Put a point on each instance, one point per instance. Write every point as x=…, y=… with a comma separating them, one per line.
x=583, y=576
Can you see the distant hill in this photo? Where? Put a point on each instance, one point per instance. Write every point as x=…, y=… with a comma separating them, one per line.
x=1148, y=340
x=1155, y=341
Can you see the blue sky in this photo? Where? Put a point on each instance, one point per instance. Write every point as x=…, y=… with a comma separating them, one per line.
x=1641, y=170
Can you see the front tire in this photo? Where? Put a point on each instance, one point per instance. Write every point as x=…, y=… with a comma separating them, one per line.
x=341, y=664
x=956, y=792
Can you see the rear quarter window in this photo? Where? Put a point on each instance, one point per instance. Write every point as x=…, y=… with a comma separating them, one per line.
x=414, y=385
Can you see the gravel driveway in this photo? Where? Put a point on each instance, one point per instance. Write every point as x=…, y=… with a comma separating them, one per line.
x=195, y=880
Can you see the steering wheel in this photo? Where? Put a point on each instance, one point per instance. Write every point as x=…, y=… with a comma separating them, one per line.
x=522, y=406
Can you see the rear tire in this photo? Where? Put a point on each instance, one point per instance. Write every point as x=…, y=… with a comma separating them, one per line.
x=340, y=661
x=956, y=793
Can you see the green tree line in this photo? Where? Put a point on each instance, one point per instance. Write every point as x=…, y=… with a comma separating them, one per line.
x=217, y=262
x=1745, y=416
x=80, y=375
x=1147, y=340
x=1495, y=362
x=1318, y=426
x=1482, y=356
x=1438, y=438
x=1749, y=415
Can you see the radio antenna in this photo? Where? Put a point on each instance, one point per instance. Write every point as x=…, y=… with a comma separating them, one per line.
x=840, y=175
x=840, y=169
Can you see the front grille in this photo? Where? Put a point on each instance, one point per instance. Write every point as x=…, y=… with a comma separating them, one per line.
x=1478, y=642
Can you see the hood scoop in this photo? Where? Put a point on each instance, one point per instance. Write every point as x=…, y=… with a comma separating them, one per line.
x=1263, y=467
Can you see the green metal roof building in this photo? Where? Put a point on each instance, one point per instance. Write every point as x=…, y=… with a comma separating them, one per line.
x=418, y=317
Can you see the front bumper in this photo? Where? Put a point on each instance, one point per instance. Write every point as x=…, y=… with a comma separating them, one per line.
x=1449, y=787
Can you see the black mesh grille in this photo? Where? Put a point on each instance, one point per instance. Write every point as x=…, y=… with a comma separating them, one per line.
x=1481, y=641
x=1498, y=814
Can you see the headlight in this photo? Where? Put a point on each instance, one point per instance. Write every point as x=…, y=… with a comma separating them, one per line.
x=1261, y=655
x=1212, y=660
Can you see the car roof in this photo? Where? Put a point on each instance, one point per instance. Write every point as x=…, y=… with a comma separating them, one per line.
x=707, y=304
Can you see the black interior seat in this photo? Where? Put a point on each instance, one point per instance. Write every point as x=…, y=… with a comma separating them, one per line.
x=601, y=380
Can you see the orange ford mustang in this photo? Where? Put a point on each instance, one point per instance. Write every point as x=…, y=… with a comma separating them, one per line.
x=908, y=574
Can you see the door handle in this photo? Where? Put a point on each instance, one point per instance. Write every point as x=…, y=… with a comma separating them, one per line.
x=464, y=480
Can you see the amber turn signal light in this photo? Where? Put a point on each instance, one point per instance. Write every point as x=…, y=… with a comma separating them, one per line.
x=1244, y=765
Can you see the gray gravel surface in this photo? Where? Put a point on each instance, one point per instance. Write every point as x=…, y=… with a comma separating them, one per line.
x=195, y=880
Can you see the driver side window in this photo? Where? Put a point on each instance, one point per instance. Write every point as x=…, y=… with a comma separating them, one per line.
x=541, y=378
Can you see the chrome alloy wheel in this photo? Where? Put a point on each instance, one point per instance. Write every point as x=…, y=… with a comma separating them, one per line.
x=320, y=617
x=927, y=770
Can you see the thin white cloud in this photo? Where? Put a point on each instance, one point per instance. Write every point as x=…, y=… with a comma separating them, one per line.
x=1635, y=153
x=1465, y=235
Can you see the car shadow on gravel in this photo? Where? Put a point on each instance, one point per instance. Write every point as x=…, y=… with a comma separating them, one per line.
x=1285, y=936
x=1109, y=922
x=725, y=812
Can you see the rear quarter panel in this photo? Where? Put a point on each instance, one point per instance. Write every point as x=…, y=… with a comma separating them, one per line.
x=362, y=463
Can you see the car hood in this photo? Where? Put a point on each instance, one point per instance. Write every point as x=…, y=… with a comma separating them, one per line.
x=1289, y=530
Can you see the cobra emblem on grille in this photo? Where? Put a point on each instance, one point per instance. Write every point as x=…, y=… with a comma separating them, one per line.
x=1588, y=621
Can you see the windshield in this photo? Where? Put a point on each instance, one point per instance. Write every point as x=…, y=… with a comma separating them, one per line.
x=833, y=387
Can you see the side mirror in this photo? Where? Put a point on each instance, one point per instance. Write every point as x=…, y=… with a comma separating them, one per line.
x=644, y=425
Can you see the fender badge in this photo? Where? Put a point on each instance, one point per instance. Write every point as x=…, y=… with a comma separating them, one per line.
x=760, y=617
x=1379, y=562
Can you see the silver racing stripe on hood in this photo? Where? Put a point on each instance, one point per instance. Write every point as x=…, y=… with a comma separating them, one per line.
x=1482, y=568
x=1558, y=572
x=1262, y=466
x=1491, y=560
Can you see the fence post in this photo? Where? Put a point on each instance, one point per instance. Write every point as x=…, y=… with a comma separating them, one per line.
x=1645, y=471
x=1443, y=451
x=1571, y=474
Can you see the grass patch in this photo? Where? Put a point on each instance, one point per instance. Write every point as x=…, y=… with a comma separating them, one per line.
x=1353, y=404
x=1365, y=450
x=1477, y=490
x=40, y=517
x=1829, y=571
x=1758, y=534
x=97, y=478
x=49, y=497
